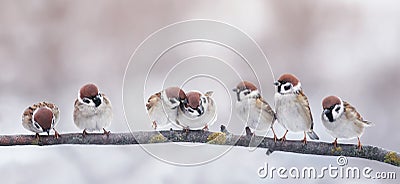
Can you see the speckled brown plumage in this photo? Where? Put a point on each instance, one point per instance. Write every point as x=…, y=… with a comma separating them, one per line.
x=42, y=113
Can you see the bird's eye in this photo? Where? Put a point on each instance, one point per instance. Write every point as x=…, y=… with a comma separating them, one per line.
x=287, y=88
x=86, y=100
x=246, y=92
x=337, y=109
x=191, y=110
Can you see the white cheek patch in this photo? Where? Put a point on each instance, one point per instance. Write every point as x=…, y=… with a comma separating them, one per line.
x=297, y=87
x=192, y=112
x=254, y=94
x=91, y=103
x=324, y=116
x=174, y=103
x=167, y=101
x=337, y=114
x=37, y=126
x=242, y=95
x=286, y=88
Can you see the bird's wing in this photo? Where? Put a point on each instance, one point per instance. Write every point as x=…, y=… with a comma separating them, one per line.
x=303, y=100
x=351, y=113
x=28, y=113
x=262, y=104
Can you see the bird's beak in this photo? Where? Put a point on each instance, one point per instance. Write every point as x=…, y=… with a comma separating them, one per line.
x=328, y=114
x=327, y=111
x=235, y=90
x=184, y=101
x=200, y=110
x=97, y=101
x=277, y=83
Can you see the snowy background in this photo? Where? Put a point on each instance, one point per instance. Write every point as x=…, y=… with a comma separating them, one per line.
x=49, y=49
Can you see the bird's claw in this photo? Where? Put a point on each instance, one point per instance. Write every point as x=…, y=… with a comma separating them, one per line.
x=105, y=132
x=84, y=133
x=154, y=125
x=205, y=129
x=56, y=134
x=248, y=132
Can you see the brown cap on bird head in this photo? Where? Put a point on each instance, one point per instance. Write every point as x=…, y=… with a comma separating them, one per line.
x=330, y=101
x=245, y=85
x=175, y=92
x=193, y=99
x=44, y=117
x=289, y=78
x=88, y=91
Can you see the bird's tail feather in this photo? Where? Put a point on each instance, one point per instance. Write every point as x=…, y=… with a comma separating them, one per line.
x=313, y=135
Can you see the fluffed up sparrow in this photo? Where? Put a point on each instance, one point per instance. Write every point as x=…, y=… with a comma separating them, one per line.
x=342, y=120
x=198, y=111
x=92, y=110
x=41, y=117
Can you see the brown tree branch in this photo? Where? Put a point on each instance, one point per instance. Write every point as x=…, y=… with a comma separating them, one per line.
x=199, y=136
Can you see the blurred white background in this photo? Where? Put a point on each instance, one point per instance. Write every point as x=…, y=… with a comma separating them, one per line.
x=49, y=49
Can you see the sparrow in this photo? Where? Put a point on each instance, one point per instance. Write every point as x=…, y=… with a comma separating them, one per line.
x=198, y=111
x=92, y=110
x=253, y=109
x=163, y=106
x=41, y=117
x=342, y=120
x=292, y=108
